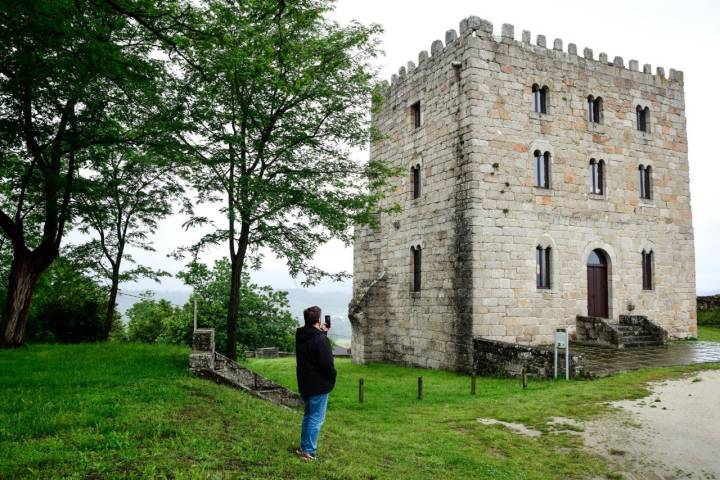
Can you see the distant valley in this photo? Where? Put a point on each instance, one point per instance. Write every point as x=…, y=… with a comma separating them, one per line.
x=334, y=304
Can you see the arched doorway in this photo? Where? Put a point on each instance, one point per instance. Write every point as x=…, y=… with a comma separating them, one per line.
x=597, y=283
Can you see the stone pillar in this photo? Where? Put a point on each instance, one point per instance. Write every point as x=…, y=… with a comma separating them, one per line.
x=203, y=350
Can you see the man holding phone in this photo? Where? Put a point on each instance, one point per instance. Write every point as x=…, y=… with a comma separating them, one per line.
x=315, y=376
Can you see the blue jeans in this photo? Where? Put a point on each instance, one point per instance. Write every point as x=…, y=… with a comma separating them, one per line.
x=313, y=419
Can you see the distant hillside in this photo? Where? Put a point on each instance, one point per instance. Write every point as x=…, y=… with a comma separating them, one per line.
x=334, y=304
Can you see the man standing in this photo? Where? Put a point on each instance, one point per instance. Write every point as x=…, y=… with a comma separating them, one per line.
x=315, y=376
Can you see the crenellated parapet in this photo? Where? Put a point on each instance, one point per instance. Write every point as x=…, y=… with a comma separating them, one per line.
x=478, y=27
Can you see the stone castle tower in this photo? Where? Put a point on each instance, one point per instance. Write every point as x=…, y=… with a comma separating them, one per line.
x=541, y=185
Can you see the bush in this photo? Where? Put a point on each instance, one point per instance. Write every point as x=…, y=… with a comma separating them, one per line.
x=150, y=318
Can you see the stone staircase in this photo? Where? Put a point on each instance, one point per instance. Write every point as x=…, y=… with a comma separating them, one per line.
x=205, y=362
x=631, y=331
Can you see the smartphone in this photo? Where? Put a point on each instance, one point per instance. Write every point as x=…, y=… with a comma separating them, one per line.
x=327, y=321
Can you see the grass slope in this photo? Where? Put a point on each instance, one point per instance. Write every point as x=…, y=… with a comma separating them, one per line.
x=124, y=410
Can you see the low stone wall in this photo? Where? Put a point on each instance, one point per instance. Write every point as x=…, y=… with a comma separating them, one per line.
x=504, y=359
x=595, y=331
x=711, y=302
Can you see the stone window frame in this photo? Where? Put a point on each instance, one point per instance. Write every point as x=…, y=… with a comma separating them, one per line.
x=416, y=162
x=648, y=246
x=412, y=112
x=412, y=247
x=645, y=183
x=543, y=146
x=598, y=158
x=540, y=96
x=546, y=241
x=596, y=115
x=647, y=106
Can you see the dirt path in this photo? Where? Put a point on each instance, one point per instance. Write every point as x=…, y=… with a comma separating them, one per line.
x=672, y=434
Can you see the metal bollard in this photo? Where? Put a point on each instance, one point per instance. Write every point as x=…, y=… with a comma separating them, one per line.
x=361, y=390
x=420, y=388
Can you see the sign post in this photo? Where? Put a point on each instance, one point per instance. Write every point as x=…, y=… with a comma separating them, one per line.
x=561, y=341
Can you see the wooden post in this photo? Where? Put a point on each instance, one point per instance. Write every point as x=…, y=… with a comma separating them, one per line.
x=473, y=384
x=361, y=390
x=420, y=388
x=524, y=379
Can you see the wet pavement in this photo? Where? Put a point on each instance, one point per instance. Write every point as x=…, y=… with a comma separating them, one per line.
x=600, y=361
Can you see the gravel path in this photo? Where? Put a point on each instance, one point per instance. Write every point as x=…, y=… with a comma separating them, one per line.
x=674, y=433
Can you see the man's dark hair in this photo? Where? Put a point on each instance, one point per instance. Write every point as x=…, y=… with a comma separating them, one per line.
x=312, y=315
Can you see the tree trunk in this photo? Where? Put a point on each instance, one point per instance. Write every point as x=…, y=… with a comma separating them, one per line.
x=237, y=263
x=112, y=299
x=24, y=276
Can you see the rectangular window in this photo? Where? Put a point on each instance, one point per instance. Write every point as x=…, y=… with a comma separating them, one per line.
x=543, y=268
x=647, y=270
x=416, y=115
x=416, y=181
x=542, y=169
x=596, y=177
x=417, y=268
x=645, y=182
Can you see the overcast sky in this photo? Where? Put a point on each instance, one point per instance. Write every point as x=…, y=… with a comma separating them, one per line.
x=672, y=34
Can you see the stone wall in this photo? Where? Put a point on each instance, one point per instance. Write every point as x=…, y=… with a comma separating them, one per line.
x=480, y=218
x=511, y=359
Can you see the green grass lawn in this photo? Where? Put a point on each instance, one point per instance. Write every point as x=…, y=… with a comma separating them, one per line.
x=123, y=410
x=708, y=334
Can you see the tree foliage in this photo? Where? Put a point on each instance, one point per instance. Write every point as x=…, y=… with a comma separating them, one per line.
x=74, y=75
x=278, y=97
x=120, y=203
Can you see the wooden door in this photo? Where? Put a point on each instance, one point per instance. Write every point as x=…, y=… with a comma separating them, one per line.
x=597, y=291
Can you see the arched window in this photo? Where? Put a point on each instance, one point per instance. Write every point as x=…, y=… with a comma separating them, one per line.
x=542, y=169
x=415, y=171
x=594, y=109
x=542, y=271
x=643, y=118
x=597, y=176
x=540, y=98
x=647, y=270
x=416, y=267
x=646, y=182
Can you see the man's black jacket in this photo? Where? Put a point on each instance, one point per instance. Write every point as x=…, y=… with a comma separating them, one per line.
x=315, y=367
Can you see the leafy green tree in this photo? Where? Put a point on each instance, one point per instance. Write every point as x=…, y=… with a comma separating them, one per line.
x=74, y=75
x=147, y=318
x=278, y=97
x=265, y=320
x=120, y=202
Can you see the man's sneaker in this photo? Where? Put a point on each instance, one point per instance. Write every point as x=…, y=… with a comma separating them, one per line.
x=305, y=456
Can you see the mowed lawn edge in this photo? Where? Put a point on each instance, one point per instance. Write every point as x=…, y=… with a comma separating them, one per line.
x=118, y=410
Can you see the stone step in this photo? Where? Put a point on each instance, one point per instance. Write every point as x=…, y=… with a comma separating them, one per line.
x=647, y=343
x=638, y=338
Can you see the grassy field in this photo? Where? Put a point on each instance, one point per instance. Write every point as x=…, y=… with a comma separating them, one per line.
x=125, y=410
x=708, y=334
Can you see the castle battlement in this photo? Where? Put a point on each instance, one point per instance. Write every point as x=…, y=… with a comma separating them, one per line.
x=476, y=26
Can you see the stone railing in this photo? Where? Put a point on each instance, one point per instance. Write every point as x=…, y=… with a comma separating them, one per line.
x=596, y=331
x=207, y=363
